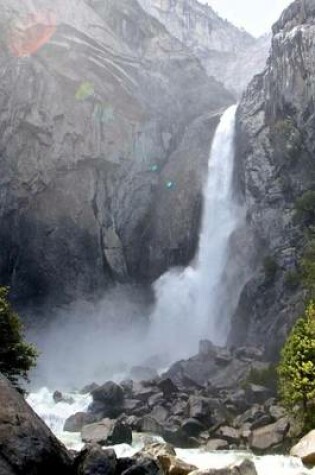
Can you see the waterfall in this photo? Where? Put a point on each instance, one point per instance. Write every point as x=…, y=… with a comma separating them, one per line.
x=190, y=303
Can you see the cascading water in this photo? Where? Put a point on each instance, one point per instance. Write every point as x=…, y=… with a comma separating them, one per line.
x=189, y=303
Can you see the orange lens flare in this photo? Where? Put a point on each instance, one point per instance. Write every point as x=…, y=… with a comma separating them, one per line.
x=32, y=32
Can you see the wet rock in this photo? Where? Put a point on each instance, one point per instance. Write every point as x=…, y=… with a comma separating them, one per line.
x=138, y=465
x=305, y=449
x=59, y=397
x=156, y=449
x=269, y=436
x=217, y=444
x=172, y=465
x=93, y=460
x=245, y=467
x=27, y=445
x=75, y=422
x=107, y=432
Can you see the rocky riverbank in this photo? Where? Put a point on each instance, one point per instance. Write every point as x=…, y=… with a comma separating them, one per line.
x=206, y=404
x=208, y=401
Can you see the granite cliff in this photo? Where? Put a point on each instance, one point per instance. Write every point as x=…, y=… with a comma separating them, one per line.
x=229, y=54
x=275, y=172
x=106, y=122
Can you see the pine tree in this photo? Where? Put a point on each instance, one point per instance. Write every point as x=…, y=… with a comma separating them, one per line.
x=296, y=370
x=16, y=356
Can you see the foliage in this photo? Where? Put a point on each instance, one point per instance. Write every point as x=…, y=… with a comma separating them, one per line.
x=308, y=268
x=16, y=356
x=270, y=268
x=305, y=207
x=296, y=370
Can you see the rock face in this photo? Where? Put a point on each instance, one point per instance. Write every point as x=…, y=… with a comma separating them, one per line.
x=229, y=54
x=275, y=166
x=27, y=445
x=106, y=124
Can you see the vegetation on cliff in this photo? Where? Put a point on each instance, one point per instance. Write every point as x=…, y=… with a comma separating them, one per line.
x=297, y=369
x=16, y=356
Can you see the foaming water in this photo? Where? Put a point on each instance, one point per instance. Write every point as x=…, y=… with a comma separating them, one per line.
x=190, y=302
x=55, y=415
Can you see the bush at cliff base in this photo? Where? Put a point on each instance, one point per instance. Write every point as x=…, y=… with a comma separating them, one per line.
x=296, y=370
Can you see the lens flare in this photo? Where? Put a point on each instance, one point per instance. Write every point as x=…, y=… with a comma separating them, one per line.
x=31, y=32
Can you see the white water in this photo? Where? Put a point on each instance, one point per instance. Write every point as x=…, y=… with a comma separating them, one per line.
x=190, y=302
x=55, y=416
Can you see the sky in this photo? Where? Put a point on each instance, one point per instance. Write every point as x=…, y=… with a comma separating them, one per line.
x=256, y=16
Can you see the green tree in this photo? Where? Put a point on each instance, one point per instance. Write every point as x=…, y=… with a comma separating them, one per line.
x=296, y=370
x=16, y=356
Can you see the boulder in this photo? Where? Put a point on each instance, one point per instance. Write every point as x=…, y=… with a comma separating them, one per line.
x=109, y=393
x=269, y=436
x=108, y=400
x=246, y=467
x=305, y=449
x=277, y=412
x=151, y=425
x=132, y=406
x=59, y=397
x=199, y=408
x=142, y=392
x=256, y=394
x=174, y=466
x=92, y=460
x=159, y=413
x=229, y=434
x=137, y=466
x=75, y=422
x=217, y=444
x=27, y=446
x=192, y=427
x=156, y=449
x=107, y=432
x=167, y=387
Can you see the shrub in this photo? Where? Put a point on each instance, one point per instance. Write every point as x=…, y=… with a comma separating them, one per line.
x=16, y=356
x=296, y=369
x=308, y=268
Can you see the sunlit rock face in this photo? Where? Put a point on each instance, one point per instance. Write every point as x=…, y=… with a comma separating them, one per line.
x=229, y=54
x=275, y=156
x=106, y=122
